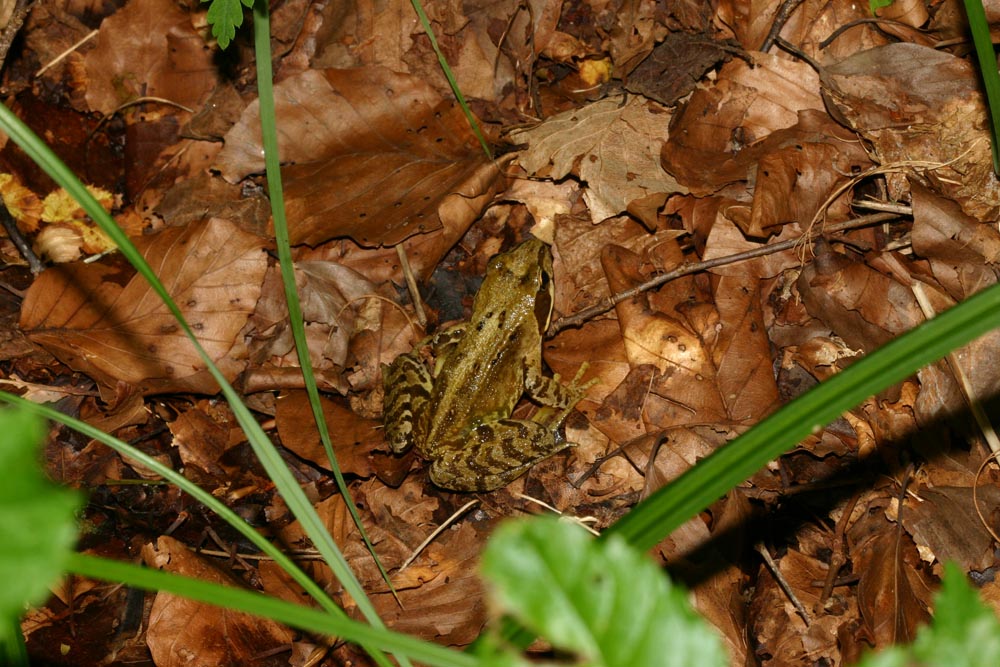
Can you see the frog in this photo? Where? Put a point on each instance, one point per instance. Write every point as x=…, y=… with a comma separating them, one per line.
x=458, y=414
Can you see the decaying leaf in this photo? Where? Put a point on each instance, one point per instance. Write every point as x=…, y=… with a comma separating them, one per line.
x=376, y=156
x=111, y=325
x=149, y=48
x=185, y=633
x=613, y=145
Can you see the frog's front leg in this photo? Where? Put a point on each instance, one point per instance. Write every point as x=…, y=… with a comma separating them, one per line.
x=494, y=454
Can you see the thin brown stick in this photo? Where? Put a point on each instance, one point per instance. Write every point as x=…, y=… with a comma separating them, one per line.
x=783, y=583
x=21, y=9
x=781, y=17
x=838, y=555
x=697, y=267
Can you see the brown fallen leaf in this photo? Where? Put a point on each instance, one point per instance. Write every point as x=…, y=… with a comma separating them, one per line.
x=918, y=103
x=186, y=633
x=674, y=67
x=108, y=323
x=149, y=48
x=353, y=441
x=893, y=595
x=378, y=156
x=683, y=388
x=613, y=147
x=962, y=251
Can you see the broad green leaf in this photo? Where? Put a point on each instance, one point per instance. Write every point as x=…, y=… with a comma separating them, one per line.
x=37, y=524
x=964, y=632
x=604, y=601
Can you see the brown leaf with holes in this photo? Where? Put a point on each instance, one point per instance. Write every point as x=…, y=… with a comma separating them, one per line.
x=376, y=156
x=683, y=386
x=108, y=323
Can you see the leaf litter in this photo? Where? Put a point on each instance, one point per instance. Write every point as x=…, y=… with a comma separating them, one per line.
x=640, y=139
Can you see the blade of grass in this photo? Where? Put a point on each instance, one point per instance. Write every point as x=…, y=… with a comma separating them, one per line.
x=656, y=517
x=980, y=29
x=425, y=22
x=269, y=135
x=251, y=602
x=189, y=487
x=264, y=449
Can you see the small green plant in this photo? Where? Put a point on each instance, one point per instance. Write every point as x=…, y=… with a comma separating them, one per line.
x=37, y=527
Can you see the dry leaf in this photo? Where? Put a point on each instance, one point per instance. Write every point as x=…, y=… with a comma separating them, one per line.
x=149, y=48
x=613, y=147
x=109, y=323
x=376, y=156
x=185, y=633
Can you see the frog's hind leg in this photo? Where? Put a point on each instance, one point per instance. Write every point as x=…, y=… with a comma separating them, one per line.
x=408, y=385
x=494, y=455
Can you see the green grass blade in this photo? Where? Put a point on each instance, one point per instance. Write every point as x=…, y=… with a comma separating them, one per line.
x=988, y=69
x=425, y=22
x=189, y=487
x=251, y=602
x=269, y=135
x=657, y=516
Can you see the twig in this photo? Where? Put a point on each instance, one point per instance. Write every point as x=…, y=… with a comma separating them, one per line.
x=847, y=26
x=430, y=538
x=58, y=59
x=838, y=557
x=780, y=19
x=411, y=284
x=697, y=267
x=780, y=578
x=21, y=9
x=22, y=245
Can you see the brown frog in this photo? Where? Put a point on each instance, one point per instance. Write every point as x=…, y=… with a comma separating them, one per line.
x=458, y=416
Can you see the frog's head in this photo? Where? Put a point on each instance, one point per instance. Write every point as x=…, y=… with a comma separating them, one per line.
x=519, y=279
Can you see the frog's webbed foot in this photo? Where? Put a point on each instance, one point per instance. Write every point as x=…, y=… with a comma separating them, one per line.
x=559, y=399
x=494, y=455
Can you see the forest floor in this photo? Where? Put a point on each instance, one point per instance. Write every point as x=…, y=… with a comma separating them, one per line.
x=634, y=137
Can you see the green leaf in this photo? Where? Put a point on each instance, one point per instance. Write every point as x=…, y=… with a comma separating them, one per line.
x=37, y=526
x=964, y=633
x=603, y=601
x=225, y=16
x=875, y=5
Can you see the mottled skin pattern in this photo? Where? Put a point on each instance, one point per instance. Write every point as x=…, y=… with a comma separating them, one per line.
x=458, y=417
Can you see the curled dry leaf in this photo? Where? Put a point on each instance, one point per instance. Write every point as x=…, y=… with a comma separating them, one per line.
x=109, y=324
x=915, y=103
x=376, y=156
x=749, y=103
